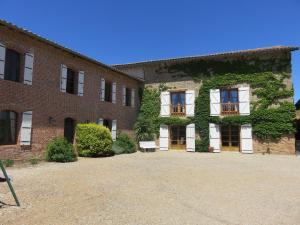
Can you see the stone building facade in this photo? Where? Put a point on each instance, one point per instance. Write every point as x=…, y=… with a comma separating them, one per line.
x=179, y=74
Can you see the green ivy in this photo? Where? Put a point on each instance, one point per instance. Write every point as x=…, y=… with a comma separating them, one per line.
x=272, y=116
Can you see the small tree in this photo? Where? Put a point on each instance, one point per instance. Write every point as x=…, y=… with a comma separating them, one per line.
x=93, y=140
x=124, y=144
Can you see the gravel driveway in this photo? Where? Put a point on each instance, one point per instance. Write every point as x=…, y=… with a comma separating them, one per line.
x=158, y=188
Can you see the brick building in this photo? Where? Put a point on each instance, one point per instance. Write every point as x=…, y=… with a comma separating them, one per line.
x=45, y=89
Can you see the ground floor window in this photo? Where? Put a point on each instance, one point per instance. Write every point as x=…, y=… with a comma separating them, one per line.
x=8, y=127
x=178, y=137
x=107, y=123
x=69, y=129
x=230, y=136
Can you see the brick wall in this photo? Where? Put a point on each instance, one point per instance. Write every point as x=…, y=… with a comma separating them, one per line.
x=44, y=98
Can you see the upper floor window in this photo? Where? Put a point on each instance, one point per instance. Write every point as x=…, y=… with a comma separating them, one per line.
x=229, y=101
x=128, y=97
x=108, y=92
x=71, y=82
x=12, y=65
x=178, y=103
x=8, y=127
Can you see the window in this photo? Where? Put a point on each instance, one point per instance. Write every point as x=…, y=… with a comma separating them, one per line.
x=178, y=103
x=71, y=82
x=108, y=92
x=230, y=137
x=12, y=65
x=128, y=97
x=8, y=127
x=107, y=123
x=229, y=101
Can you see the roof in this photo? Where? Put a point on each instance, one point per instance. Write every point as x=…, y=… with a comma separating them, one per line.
x=209, y=56
x=56, y=45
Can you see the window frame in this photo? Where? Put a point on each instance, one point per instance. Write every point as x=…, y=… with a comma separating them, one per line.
x=179, y=109
x=128, y=96
x=8, y=76
x=13, y=140
x=108, y=95
x=229, y=107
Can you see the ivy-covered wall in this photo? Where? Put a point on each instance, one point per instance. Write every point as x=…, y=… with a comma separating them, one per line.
x=267, y=73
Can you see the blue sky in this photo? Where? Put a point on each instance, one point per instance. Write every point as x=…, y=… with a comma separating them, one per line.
x=127, y=31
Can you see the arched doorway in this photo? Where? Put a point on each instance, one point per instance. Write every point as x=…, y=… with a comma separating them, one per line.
x=69, y=129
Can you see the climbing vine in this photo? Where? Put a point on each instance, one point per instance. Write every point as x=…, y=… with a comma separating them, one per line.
x=271, y=116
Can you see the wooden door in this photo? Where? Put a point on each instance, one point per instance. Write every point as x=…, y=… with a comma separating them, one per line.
x=178, y=137
x=230, y=136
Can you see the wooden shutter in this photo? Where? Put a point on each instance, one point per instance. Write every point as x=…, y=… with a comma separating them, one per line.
x=215, y=106
x=28, y=68
x=26, y=128
x=190, y=137
x=132, y=97
x=114, y=130
x=163, y=138
x=2, y=60
x=63, y=78
x=190, y=102
x=246, y=138
x=165, y=103
x=244, y=100
x=80, y=83
x=124, y=95
x=214, y=137
x=100, y=121
x=114, y=92
x=102, y=91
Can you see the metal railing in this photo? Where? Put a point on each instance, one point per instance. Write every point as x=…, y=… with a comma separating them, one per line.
x=229, y=108
x=178, y=110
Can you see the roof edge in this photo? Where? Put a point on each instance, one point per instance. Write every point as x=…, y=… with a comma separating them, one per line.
x=237, y=52
x=70, y=51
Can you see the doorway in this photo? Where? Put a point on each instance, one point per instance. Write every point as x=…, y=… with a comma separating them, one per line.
x=178, y=137
x=69, y=129
x=230, y=135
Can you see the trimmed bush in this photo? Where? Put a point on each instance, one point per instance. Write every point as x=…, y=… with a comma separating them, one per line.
x=200, y=147
x=93, y=140
x=124, y=144
x=60, y=150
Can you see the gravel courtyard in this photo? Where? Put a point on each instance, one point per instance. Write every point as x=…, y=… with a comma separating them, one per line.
x=157, y=188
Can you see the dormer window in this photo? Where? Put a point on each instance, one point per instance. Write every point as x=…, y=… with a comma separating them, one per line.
x=229, y=101
x=178, y=103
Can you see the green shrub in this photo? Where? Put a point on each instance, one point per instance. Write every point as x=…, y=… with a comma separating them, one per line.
x=124, y=144
x=93, y=140
x=200, y=147
x=34, y=160
x=8, y=162
x=60, y=150
x=144, y=129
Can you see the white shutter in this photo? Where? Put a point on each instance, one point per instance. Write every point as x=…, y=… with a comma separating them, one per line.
x=2, y=60
x=114, y=130
x=100, y=121
x=132, y=97
x=163, y=138
x=165, y=103
x=80, y=83
x=26, y=128
x=190, y=137
x=246, y=138
x=114, y=92
x=190, y=102
x=244, y=100
x=63, y=78
x=215, y=106
x=124, y=95
x=28, y=69
x=102, y=91
x=214, y=137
